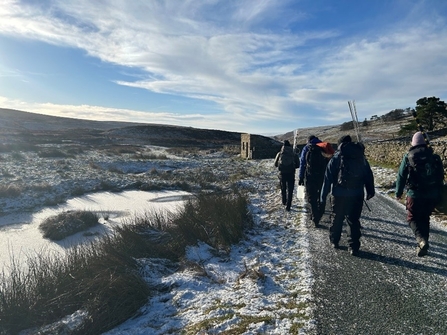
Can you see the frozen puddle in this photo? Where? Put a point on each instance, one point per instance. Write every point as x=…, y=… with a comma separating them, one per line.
x=20, y=237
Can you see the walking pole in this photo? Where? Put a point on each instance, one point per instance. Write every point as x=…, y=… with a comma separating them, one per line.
x=355, y=123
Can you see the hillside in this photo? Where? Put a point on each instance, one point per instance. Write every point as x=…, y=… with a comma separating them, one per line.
x=23, y=128
x=375, y=130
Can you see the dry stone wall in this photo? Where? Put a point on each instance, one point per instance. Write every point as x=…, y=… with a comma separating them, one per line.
x=391, y=152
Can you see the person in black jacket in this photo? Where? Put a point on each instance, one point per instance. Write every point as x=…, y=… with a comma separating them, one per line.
x=348, y=173
x=315, y=157
x=287, y=162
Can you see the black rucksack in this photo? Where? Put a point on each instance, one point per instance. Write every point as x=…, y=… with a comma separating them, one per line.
x=316, y=162
x=351, y=173
x=286, y=162
x=425, y=171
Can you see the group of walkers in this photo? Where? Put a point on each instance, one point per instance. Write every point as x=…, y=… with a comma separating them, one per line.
x=345, y=174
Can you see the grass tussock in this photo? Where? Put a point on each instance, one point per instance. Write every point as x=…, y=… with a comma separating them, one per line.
x=65, y=224
x=52, y=153
x=117, y=150
x=102, y=280
x=216, y=219
x=10, y=191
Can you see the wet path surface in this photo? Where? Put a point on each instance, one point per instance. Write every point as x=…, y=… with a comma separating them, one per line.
x=387, y=289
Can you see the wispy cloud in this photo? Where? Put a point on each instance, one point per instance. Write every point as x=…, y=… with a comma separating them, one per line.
x=219, y=51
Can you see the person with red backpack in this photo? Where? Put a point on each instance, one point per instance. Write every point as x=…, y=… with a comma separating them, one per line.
x=287, y=162
x=313, y=161
x=422, y=173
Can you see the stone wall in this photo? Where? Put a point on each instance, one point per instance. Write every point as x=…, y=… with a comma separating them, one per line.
x=391, y=152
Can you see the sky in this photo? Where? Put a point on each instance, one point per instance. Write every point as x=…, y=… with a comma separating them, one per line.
x=256, y=66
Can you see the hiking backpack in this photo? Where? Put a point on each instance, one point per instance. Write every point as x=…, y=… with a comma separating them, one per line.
x=351, y=173
x=286, y=162
x=315, y=161
x=425, y=169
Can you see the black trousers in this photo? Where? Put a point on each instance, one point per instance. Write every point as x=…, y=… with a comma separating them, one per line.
x=313, y=188
x=287, y=183
x=349, y=208
x=418, y=216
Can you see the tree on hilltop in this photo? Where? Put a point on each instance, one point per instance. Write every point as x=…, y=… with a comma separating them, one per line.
x=432, y=113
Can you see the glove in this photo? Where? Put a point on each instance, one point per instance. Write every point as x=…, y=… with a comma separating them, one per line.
x=369, y=196
x=301, y=182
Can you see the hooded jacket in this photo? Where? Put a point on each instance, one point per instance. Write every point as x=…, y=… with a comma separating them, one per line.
x=330, y=183
x=303, y=162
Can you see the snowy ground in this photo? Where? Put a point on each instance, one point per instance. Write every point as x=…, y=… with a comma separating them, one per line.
x=22, y=239
x=261, y=286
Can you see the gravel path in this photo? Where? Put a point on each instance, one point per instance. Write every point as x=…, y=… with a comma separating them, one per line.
x=387, y=289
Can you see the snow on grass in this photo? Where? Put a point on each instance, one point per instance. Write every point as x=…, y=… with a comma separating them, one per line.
x=261, y=285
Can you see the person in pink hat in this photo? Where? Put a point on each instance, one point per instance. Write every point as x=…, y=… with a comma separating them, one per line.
x=422, y=174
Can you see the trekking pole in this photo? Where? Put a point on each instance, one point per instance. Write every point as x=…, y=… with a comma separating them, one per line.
x=295, y=140
x=355, y=123
x=366, y=204
x=295, y=132
x=421, y=129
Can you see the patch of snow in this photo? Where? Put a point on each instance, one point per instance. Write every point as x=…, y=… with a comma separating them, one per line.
x=263, y=282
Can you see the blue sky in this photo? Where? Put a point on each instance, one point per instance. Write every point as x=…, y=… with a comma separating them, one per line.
x=257, y=66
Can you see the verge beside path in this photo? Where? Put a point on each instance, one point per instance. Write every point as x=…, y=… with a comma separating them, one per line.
x=262, y=285
x=387, y=289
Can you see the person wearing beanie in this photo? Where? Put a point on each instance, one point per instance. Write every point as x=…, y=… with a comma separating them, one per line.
x=348, y=174
x=418, y=139
x=287, y=162
x=422, y=175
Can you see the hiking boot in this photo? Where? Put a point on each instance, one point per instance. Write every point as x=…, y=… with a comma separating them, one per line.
x=422, y=248
x=334, y=245
x=353, y=252
x=288, y=208
x=315, y=223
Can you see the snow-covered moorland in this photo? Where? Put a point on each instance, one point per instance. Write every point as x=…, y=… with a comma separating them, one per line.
x=262, y=285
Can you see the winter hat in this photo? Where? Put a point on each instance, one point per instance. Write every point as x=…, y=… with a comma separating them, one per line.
x=418, y=139
x=311, y=137
x=345, y=139
x=286, y=143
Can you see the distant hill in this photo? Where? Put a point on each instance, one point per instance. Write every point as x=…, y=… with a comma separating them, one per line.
x=19, y=126
x=375, y=130
x=15, y=120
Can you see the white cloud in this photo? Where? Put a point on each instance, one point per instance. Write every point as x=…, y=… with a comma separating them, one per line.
x=214, y=50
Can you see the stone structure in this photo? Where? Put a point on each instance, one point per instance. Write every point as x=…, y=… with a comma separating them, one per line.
x=258, y=146
x=391, y=152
